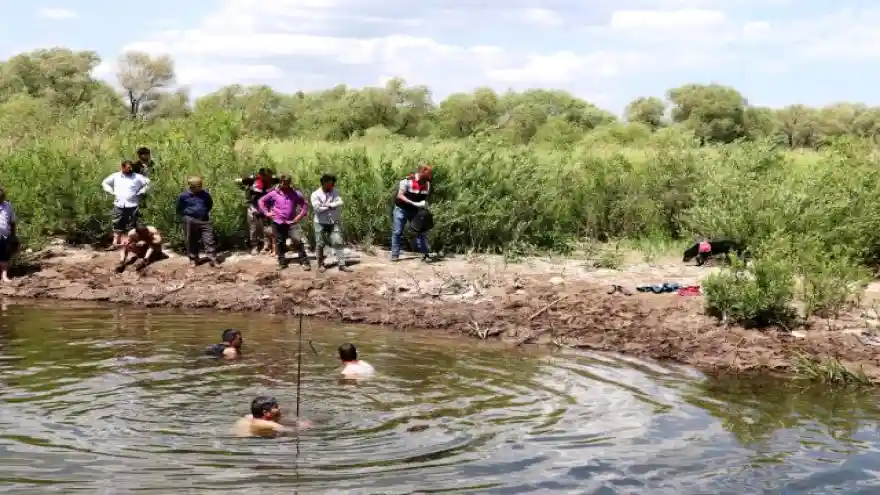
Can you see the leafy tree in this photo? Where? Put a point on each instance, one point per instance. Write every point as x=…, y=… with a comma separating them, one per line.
x=143, y=78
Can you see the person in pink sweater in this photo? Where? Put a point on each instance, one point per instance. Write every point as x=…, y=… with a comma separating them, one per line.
x=285, y=207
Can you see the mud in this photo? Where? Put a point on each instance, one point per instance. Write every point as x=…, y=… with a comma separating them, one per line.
x=563, y=302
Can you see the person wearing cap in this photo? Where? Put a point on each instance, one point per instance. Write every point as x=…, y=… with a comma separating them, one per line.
x=194, y=207
x=264, y=420
x=286, y=207
x=144, y=243
x=8, y=239
x=412, y=193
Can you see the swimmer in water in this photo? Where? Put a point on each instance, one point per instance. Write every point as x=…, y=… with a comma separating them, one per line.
x=263, y=420
x=230, y=348
x=351, y=366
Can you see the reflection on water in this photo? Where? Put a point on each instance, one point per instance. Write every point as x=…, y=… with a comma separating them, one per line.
x=121, y=400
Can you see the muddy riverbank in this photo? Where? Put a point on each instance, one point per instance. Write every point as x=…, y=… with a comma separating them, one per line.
x=564, y=302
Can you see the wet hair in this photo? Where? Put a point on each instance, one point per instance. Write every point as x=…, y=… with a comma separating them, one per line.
x=348, y=352
x=263, y=404
x=230, y=334
x=328, y=178
x=143, y=151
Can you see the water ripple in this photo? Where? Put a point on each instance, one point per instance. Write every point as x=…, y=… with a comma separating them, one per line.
x=119, y=401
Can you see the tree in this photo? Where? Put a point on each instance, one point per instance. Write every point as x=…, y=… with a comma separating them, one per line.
x=714, y=112
x=58, y=75
x=143, y=78
x=648, y=110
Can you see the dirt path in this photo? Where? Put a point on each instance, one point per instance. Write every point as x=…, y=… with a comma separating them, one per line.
x=535, y=301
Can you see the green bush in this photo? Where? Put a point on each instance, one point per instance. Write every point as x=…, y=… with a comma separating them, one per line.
x=759, y=294
x=818, y=210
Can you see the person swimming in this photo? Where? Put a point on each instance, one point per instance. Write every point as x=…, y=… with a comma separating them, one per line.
x=263, y=421
x=230, y=348
x=352, y=367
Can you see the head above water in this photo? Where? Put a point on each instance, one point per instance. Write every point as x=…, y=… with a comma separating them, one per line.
x=126, y=166
x=348, y=352
x=232, y=337
x=328, y=182
x=143, y=154
x=195, y=184
x=265, y=407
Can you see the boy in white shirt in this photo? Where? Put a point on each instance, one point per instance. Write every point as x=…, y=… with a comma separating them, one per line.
x=352, y=366
x=127, y=188
x=328, y=221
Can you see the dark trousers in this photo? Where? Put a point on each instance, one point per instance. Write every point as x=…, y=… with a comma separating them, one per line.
x=195, y=231
x=283, y=231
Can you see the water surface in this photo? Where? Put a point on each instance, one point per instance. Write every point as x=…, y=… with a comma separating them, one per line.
x=121, y=401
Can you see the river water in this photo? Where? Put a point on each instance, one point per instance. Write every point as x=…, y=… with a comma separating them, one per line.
x=121, y=400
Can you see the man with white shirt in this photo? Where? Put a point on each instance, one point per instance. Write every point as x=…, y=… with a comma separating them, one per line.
x=328, y=221
x=127, y=188
x=8, y=240
x=352, y=366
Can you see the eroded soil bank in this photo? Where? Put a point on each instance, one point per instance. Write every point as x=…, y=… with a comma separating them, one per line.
x=538, y=301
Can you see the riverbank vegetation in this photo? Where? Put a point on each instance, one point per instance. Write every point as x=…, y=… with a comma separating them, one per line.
x=515, y=172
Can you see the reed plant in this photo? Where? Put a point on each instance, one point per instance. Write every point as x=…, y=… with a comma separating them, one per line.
x=817, y=213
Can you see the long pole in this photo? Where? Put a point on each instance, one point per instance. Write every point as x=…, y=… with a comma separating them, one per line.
x=299, y=354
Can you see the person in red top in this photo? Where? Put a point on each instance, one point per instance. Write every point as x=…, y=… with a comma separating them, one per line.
x=286, y=207
x=256, y=186
x=411, y=196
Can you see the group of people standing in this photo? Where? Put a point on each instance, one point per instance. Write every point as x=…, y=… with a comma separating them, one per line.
x=275, y=211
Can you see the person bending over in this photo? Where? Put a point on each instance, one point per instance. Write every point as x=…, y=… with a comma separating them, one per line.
x=144, y=243
x=255, y=187
x=263, y=421
x=229, y=348
x=412, y=193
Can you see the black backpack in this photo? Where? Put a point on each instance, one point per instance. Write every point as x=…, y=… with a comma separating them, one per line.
x=422, y=222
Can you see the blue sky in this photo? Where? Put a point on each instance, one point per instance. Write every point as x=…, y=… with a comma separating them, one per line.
x=776, y=52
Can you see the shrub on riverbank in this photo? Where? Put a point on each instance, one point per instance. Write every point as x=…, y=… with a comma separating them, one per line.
x=819, y=209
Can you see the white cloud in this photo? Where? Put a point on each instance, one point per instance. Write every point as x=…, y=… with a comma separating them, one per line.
x=57, y=14
x=453, y=45
x=654, y=20
x=557, y=68
x=542, y=17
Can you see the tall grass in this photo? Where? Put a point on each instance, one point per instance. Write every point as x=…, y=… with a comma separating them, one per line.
x=811, y=219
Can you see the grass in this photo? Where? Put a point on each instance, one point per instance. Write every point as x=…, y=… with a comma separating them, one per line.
x=812, y=220
x=828, y=371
